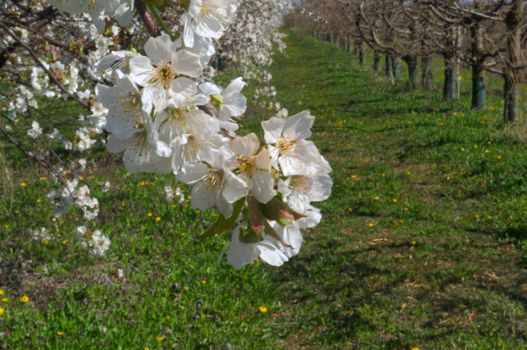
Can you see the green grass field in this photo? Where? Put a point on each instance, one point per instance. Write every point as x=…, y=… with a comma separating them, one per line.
x=423, y=243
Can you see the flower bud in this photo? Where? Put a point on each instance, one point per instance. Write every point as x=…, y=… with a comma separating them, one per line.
x=276, y=210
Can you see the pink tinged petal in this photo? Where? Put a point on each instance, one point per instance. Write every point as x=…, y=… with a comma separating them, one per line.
x=209, y=89
x=263, y=160
x=271, y=254
x=294, y=165
x=240, y=254
x=155, y=95
x=273, y=129
x=187, y=63
x=321, y=188
x=209, y=27
x=312, y=219
x=235, y=187
x=202, y=123
x=298, y=201
x=141, y=70
x=185, y=86
x=192, y=172
x=160, y=49
x=200, y=99
x=203, y=196
x=140, y=158
x=188, y=31
x=292, y=236
x=117, y=145
x=245, y=145
x=235, y=87
x=233, y=106
x=299, y=126
x=262, y=187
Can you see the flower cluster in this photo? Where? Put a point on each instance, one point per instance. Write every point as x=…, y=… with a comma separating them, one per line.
x=165, y=119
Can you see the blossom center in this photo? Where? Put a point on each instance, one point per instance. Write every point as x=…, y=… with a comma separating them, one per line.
x=300, y=183
x=163, y=75
x=215, y=178
x=284, y=145
x=247, y=165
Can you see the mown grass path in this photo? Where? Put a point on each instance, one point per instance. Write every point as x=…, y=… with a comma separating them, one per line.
x=421, y=242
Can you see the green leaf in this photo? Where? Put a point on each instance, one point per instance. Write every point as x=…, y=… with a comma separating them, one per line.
x=159, y=4
x=223, y=225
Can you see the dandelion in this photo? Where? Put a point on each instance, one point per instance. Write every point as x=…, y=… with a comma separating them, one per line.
x=39, y=201
x=24, y=299
x=2, y=311
x=350, y=210
x=5, y=300
x=376, y=198
x=60, y=334
x=2, y=292
x=394, y=200
x=262, y=309
x=160, y=338
x=23, y=184
x=415, y=348
x=158, y=219
x=150, y=214
x=413, y=242
x=42, y=178
x=371, y=225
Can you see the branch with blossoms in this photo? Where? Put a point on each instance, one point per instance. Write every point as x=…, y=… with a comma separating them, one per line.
x=165, y=115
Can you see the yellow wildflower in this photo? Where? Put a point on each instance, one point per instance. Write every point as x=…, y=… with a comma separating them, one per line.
x=2, y=292
x=2, y=310
x=160, y=338
x=24, y=299
x=262, y=309
x=60, y=334
x=23, y=184
x=158, y=219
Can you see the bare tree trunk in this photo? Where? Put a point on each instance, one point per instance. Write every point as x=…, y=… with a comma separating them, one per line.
x=388, y=67
x=376, y=60
x=450, y=85
x=411, y=62
x=362, y=57
x=396, y=62
x=426, y=73
x=479, y=90
x=512, y=68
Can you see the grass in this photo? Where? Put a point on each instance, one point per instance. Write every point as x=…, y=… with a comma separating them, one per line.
x=423, y=243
